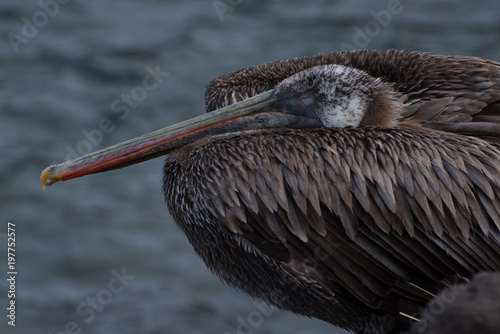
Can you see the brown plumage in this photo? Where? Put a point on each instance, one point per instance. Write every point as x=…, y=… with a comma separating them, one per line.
x=358, y=226
x=348, y=186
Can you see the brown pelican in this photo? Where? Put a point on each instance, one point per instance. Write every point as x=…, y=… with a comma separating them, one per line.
x=347, y=186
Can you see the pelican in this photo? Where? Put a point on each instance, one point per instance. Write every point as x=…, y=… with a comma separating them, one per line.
x=347, y=186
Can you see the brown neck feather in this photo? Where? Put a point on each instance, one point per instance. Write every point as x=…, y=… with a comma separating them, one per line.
x=383, y=110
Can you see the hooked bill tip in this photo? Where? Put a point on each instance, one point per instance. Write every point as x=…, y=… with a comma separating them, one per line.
x=45, y=179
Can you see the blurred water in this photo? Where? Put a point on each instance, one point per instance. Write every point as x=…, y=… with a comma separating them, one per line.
x=59, y=80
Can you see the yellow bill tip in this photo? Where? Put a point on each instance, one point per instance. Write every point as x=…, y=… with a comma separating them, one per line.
x=45, y=178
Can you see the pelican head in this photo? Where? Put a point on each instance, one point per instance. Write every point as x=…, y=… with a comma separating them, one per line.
x=321, y=96
x=342, y=96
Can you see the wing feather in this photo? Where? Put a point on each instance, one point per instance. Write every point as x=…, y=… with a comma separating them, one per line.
x=408, y=219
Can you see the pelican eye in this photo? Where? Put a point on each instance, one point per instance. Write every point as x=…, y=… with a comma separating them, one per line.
x=307, y=99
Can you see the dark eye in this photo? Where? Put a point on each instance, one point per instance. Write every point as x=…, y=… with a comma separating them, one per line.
x=307, y=99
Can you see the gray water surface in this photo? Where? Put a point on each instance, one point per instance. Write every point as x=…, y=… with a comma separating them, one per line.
x=75, y=83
